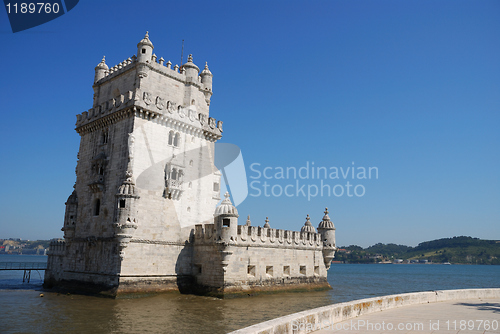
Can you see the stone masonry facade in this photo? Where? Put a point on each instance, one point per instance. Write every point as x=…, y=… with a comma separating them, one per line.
x=143, y=216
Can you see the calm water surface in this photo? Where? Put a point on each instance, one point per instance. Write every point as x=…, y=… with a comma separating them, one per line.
x=24, y=311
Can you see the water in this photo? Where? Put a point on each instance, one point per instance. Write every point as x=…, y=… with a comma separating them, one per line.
x=24, y=311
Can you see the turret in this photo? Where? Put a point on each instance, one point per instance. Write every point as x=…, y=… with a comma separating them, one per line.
x=145, y=50
x=226, y=220
x=70, y=216
x=206, y=80
x=191, y=70
x=100, y=70
x=327, y=230
x=126, y=220
x=206, y=77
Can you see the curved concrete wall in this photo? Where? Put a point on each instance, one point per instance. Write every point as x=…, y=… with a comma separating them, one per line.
x=293, y=323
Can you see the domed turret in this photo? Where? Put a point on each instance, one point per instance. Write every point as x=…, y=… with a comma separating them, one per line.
x=206, y=80
x=127, y=189
x=308, y=226
x=327, y=230
x=206, y=77
x=100, y=70
x=326, y=223
x=145, y=50
x=226, y=220
x=126, y=221
x=70, y=216
x=191, y=70
x=226, y=208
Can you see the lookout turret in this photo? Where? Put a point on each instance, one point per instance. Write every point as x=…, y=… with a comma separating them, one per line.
x=145, y=49
x=191, y=70
x=226, y=219
x=327, y=230
x=100, y=70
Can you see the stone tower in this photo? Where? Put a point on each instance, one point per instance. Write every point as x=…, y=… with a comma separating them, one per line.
x=143, y=218
x=145, y=176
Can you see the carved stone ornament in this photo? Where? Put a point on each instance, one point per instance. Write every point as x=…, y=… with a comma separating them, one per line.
x=160, y=103
x=192, y=114
x=181, y=111
x=170, y=106
x=118, y=100
x=147, y=98
x=211, y=122
x=202, y=119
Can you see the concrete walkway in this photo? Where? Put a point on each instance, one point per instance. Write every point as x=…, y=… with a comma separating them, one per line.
x=457, y=316
x=443, y=311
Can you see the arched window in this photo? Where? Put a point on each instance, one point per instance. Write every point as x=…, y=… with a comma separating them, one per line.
x=105, y=136
x=177, y=139
x=97, y=207
x=170, y=137
x=174, y=174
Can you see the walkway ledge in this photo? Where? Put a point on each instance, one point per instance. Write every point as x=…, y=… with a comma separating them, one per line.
x=298, y=323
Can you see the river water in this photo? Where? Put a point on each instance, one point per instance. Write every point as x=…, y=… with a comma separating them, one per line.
x=23, y=310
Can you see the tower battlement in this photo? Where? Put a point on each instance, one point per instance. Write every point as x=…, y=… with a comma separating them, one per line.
x=261, y=236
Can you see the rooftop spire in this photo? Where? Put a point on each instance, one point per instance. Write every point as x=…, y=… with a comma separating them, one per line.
x=146, y=41
x=266, y=225
x=206, y=71
x=326, y=223
x=102, y=64
x=308, y=226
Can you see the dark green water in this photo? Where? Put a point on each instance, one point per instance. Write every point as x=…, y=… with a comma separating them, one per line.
x=24, y=311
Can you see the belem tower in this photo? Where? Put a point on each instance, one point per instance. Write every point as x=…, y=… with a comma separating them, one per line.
x=143, y=216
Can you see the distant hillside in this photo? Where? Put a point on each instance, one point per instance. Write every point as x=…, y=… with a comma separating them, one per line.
x=18, y=246
x=463, y=250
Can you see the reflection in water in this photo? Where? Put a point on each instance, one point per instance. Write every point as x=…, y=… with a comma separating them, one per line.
x=167, y=313
x=25, y=311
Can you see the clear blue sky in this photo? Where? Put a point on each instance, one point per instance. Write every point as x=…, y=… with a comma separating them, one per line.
x=409, y=87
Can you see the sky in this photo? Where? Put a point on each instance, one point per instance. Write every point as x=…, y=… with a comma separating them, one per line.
x=409, y=88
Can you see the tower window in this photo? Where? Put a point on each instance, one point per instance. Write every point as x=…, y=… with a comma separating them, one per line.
x=251, y=271
x=286, y=270
x=143, y=51
x=170, y=137
x=122, y=204
x=101, y=170
x=216, y=186
x=177, y=139
x=97, y=207
x=226, y=222
x=302, y=270
x=105, y=137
